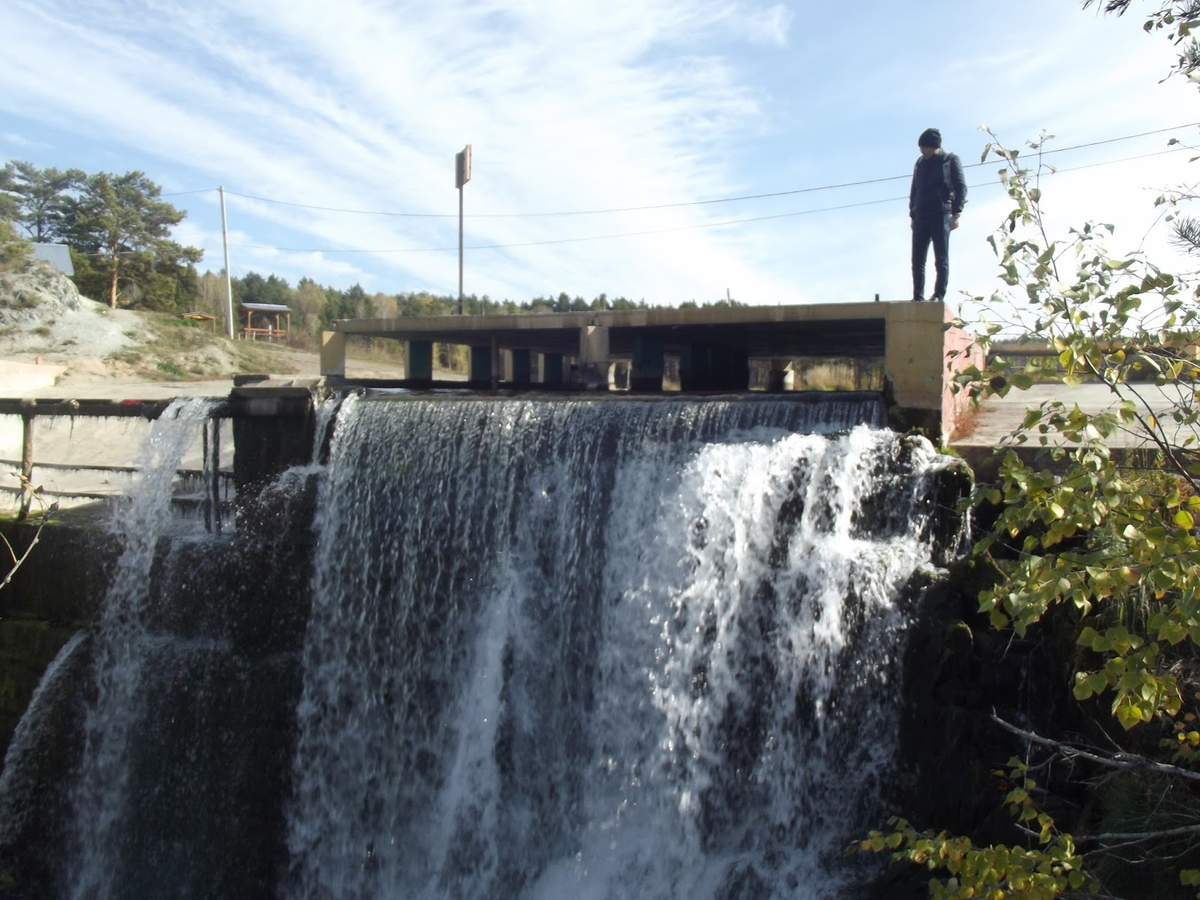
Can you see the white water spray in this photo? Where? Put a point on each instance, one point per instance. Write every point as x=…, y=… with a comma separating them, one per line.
x=599, y=650
x=121, y=652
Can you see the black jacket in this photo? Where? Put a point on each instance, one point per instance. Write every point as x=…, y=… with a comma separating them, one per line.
x=937, y=185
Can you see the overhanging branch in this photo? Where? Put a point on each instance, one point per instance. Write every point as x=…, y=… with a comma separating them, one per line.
x=1125, y=761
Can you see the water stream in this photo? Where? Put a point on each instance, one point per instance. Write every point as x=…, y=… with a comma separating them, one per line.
x=519, y=649
x=600, y=650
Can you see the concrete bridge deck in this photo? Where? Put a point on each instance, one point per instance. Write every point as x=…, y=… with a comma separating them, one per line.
x=713, y=348
x=270, y=420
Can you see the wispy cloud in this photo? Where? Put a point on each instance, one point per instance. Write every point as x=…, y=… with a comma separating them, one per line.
x=769, y=25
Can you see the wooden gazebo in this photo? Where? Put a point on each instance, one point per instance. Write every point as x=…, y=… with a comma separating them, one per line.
x=263, y=321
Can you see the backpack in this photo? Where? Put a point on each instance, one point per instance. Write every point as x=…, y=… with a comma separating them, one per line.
x=947, y=179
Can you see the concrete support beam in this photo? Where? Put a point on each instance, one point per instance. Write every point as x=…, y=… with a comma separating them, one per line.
x=551, y=369
x=333, y=354
x=731, y=368
x=481, y=367
x=707, y=367
x=495, y=380
x=264, y=447
x=914, y=359
x=522, y=370
x=420, y=361
x=648, y=363
x=695, y=367
x=593, y=357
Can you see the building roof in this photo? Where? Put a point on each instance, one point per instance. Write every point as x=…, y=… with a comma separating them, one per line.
x=58, y=255
x=266, y=307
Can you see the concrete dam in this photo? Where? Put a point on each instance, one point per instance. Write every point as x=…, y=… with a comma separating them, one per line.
x=453, y=645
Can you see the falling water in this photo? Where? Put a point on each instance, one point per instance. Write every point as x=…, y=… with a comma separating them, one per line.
x=36, y=729
x=639, y=649
x=585, y=648
x=123, y=648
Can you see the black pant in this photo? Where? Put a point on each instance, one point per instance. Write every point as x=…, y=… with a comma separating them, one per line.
x=931, y=228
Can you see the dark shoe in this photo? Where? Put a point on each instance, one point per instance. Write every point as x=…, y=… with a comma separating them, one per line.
x=936, y=299
x=918, y=299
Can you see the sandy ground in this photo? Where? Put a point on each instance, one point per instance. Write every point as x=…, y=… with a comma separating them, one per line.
x=62, y=349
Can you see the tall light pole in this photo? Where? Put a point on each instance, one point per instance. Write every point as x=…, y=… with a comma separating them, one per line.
x=462, y=174
x=228, y=284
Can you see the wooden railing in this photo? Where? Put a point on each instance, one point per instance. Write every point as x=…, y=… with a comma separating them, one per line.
x=264, y=334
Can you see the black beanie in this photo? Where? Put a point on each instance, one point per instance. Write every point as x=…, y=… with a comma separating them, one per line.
x=930, y=137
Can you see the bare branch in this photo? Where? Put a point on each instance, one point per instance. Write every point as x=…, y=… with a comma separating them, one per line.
x=1136, y=837
x=17, y=561
x=1117, y=761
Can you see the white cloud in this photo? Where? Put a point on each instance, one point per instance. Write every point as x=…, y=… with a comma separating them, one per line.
x=769, y=25
x=361, y=105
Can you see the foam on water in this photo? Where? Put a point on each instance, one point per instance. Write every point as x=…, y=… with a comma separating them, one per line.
x=600, y=650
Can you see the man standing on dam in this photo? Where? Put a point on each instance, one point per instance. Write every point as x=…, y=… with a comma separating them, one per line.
x=935, y=201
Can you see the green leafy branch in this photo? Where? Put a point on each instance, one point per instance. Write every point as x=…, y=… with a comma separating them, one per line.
x=1052, y=868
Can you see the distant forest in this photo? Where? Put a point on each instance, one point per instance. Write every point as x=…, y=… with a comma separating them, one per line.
x=118, y=230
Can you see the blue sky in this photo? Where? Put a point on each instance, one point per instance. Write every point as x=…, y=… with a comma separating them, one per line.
x=575, y=109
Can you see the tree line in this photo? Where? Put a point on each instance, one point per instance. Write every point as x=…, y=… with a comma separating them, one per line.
x=118, y=229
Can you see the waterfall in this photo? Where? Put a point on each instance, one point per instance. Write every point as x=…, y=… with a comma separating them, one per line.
x=34, y=730
x=515, y=649
x=602, y=649
x=124, y=648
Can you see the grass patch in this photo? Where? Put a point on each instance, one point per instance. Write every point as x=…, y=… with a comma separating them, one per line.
x=20, y=300
x=169, y=368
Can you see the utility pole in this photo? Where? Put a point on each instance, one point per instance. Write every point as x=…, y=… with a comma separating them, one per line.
x=228, y=282
x=462, y=174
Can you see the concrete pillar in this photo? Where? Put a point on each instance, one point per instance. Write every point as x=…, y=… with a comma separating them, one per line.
x=522, y=375
x=265, y=445
x=695, y=368
x=333, y=354
x=914, y=357
x=481, y=367
x=420, y=361
x=731, y=368
x=495, y=379
x=552, y=369
x=705, y=367
x=593, y=357
x=647, y=370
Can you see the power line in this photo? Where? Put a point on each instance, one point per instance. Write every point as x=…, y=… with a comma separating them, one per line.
x=605, y=237
x=660, y=206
